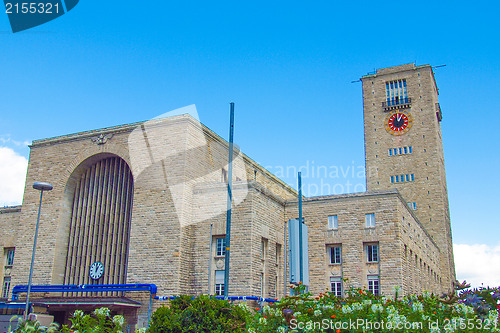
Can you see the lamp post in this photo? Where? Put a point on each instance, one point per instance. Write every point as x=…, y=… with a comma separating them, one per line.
x=41, y=186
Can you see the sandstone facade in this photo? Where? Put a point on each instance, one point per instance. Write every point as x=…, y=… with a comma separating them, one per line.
x=177, y=194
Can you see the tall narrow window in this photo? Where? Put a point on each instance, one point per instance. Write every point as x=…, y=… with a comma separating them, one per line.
x=372, y=253
x=370, y=220
x=9, y=262
x=9, y=257
x=219, y=282
x=333, y=222
x=278, y=254
x=6, y=287
x=336, y=285
x=335, y=254
x=220, y=247
x=263, y=248
x=374, y=284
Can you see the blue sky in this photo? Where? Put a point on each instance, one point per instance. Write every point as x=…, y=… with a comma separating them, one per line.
x=288, y=66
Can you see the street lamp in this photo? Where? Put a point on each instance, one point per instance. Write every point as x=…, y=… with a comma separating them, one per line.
x=41, y=186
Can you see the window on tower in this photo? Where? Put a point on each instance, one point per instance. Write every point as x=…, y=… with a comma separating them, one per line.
x=403, y=178
x=400, y=151
x=412, y=205
x=396, y=93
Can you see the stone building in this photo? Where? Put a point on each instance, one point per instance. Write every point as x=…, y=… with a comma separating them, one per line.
x=141, y=203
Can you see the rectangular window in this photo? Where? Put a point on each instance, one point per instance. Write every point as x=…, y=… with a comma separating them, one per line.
x=396, y=92
x=402, y=178
x=372, y=252
x=370, y=220
x=263, y=249
x=336, y=286
x=335, y=255
x=220, y=247
x=278, y=254
x=414, y=206
x=6, y=287
x=219, y=282
x=374, y=284
x=400, y=151
x=333, y=222
x=9, y=257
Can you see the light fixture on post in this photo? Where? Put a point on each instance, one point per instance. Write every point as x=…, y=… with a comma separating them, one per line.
x=41, y=186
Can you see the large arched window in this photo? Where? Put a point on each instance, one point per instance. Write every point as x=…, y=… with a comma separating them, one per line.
x=100, y=223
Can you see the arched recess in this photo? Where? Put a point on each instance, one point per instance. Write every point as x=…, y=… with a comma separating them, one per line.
x=99, y=198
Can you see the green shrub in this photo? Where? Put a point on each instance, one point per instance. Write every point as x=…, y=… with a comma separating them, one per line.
x=100, y=321
x=202, y=314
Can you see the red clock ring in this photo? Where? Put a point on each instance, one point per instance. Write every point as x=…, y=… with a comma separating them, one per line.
x=398, y=122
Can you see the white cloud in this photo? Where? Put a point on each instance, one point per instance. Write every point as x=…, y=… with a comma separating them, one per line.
x=478, y=264
x=13, y=169
x=5, y=139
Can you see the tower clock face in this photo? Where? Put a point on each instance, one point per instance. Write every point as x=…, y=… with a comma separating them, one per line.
x=398, y=122
x=96, y=270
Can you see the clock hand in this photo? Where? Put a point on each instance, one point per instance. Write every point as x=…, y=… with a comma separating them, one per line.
x=399, y=116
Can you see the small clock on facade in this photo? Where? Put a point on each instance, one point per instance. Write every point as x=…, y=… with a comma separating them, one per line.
x=96, y=270
x=398, y=122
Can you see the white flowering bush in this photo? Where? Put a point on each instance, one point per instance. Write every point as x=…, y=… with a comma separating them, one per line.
x=99, y=321
x=361, y=311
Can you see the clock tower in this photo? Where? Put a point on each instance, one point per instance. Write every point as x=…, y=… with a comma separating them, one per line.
x=404, y=149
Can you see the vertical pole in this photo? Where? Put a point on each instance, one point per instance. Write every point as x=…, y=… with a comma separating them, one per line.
x=301, y=264
x=210, y=259
x=25, y=316
x=149, y=308
x=229, y=202
x=285, y=255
